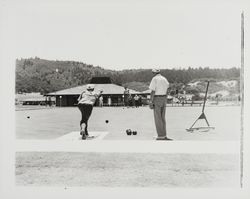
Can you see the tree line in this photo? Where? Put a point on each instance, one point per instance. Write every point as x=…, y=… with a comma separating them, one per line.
x=44, y=76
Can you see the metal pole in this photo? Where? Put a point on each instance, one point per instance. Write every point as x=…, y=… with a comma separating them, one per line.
x=242, y=98
x=205, y=98
x=60, y=101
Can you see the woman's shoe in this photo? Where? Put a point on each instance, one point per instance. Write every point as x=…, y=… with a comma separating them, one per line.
x=84, y=136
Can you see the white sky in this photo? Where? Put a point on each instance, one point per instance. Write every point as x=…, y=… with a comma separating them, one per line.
x=128, y=34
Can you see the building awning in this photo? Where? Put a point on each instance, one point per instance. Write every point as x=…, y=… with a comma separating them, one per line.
x=146, y=91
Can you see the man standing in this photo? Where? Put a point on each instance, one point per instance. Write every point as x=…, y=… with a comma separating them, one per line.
x=136, y=98
x=126, y=95
x=109, y=101
x=159, y=86
x=101, y=101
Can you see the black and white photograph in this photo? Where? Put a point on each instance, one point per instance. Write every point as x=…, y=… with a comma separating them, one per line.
x=124, y=99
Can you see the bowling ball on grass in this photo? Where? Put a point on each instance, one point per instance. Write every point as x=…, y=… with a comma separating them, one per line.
x=128, y=131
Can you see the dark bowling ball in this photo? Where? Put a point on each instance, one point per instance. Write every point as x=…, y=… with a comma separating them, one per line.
x=107, y=121
x=28, y=117
x=134, y=132
x=129, y=132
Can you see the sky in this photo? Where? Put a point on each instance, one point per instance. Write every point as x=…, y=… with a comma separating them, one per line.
x=127, y=34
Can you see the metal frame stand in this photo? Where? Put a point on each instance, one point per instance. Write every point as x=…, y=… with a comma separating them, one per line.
x=202, y=116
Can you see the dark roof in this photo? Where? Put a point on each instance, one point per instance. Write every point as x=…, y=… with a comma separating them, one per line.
x=100, y=80
x=108, y=89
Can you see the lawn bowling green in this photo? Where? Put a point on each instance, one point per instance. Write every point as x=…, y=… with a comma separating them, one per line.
x=48, y=155
x=57, y=122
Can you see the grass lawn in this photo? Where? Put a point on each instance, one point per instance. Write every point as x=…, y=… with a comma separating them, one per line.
x=126, y=170
x=114, y=169
x=55, y=122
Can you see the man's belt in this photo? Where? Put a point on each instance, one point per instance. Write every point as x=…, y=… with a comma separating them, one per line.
x=160, y=95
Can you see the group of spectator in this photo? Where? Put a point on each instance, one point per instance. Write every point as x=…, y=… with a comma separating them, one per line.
x=100, y=102
x=48, y=101
x=129, y=100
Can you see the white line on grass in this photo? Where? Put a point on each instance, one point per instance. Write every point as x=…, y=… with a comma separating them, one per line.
x=132, y=146
x=75, y=136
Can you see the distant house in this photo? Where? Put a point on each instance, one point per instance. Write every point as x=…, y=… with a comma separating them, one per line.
x=33, y=99
x=147, y=94
x=68, y=97
x=187, y=97
x=171, y=99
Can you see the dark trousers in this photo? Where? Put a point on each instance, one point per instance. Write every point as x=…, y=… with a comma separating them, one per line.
x=86, y=110
x=136, y=103
x=125, y=100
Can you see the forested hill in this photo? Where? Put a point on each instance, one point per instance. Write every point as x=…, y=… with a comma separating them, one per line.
x=39, y=75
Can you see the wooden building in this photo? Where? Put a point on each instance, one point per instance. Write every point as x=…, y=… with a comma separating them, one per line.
x=68, y=97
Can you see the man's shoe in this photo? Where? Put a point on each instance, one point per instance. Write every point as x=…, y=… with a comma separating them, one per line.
x=163, y=138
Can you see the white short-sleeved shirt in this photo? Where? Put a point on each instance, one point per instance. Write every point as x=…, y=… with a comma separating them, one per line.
x=88, y=97
x=159, y=84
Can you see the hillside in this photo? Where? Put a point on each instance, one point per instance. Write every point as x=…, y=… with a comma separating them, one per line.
x=40, y=75
x=222, y=88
